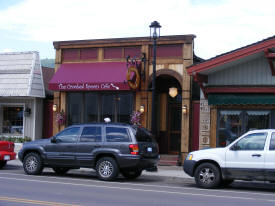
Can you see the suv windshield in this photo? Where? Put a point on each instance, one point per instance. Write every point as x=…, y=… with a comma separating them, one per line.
x=142, y=135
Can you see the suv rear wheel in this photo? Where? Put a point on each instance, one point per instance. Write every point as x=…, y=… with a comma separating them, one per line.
x=60, y=170
x=3, y=163
x=131, y=173
x=207, y=175
x=32, y=164
x=106, y=169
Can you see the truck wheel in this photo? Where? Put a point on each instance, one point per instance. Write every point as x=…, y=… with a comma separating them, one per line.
x=207, y=175
x=60, y=170
x=2, y=163
x=106, y=169
x=32, y=164
x=131, y=173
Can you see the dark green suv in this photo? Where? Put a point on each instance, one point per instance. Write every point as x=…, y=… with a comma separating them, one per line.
x=109, y=148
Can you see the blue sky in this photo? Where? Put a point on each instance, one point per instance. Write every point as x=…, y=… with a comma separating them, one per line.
x=219, y=25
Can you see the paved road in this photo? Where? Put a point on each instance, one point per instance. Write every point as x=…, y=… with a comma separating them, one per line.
x=82, y=188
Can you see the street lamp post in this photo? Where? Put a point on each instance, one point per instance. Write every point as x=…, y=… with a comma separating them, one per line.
x=154, y=33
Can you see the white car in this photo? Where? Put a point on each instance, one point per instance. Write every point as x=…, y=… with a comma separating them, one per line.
x=250, y=157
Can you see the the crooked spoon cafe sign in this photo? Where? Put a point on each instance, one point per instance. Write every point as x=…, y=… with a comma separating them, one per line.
x=89, y=86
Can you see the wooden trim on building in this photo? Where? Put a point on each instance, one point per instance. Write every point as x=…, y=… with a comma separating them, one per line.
x=240, y=89
x=213, y=126
x=133, y=41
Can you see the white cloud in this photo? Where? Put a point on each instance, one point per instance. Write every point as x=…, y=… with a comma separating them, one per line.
x=220, y=26
x=7, y=50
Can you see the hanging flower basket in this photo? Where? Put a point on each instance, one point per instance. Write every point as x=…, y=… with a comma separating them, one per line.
x=61, y=118
x=136, y=118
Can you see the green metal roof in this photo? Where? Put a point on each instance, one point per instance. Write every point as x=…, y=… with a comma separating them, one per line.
x=238, y=99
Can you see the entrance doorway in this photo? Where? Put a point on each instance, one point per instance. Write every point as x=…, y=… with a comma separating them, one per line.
x=169, y=115
x=174, y=127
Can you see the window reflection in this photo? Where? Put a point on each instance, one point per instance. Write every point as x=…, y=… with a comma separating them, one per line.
x=75, y=102
x=94, y=107
x=91, y=110
x=234, y=123
x=12, y=122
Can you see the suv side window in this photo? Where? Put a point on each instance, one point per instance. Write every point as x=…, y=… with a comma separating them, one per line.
x=272, y=142
x=68, y=135
x=91, y=134
x=116, y=134
x=254, y=141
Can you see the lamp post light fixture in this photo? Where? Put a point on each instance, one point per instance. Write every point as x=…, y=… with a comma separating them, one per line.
x=154, y=33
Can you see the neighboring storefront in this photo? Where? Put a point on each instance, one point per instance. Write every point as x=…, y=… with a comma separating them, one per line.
x=111, y=78
x=21, y=95
x=47, y=103
x=238, y=88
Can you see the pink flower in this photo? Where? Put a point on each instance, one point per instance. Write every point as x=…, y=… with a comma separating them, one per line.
x=136, y=118
x=61, y=118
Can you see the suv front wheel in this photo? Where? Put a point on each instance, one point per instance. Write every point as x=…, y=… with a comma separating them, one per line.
x=207, y=175
x=106, y=169
x=32, y=164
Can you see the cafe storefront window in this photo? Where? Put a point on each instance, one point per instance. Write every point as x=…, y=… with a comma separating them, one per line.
x=233, y=123
x=88, y=107
x=12, y=121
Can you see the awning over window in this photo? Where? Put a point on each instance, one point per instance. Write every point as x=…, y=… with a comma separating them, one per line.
x=90, y=77
x=238, y=99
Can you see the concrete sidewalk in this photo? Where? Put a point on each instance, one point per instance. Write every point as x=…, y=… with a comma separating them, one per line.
x=163, y=171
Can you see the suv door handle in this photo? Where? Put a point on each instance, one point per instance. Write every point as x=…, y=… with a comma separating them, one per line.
x=97, y=146
x=256, y=155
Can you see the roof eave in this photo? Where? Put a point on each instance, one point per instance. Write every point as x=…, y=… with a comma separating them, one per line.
x=232, y=56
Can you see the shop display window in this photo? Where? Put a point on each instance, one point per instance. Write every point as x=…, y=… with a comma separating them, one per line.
x=89, y=107
x=233, y=123
x=75, y=105
x=12, y=122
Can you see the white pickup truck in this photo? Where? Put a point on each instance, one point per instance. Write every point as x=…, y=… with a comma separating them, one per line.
x=250, y=157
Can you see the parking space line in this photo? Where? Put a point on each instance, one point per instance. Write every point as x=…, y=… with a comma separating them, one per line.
x=35, y=202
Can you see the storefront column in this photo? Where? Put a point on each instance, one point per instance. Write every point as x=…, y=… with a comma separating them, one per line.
x=186, y=98
x=213, y=127
x=185, y=133
x=56, y=100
